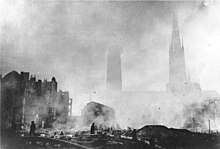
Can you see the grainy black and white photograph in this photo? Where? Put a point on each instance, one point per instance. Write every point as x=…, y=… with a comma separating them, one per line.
x=110, y=74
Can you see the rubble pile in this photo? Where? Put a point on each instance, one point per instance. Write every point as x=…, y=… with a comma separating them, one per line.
x=148, y=137
x=178, y=138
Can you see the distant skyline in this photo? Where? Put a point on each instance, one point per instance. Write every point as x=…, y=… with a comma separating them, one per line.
x=69, y=40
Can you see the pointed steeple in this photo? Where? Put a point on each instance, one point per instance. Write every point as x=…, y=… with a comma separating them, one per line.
x=177, y=69
x=175, y=24
x=175, y=40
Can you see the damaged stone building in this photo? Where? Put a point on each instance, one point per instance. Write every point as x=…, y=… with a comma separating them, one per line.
x=102, y=115
x=25, y=99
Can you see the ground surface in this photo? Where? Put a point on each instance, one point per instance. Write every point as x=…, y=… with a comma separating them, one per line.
x=149, y=137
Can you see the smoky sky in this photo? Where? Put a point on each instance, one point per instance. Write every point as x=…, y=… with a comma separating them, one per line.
x=69, y=40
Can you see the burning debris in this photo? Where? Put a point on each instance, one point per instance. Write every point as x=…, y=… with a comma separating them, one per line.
x=147, y=137
x=96, y=128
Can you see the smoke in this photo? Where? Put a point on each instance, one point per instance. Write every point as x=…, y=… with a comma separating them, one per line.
x=140, y=108
x=102, y=115
x=69, y=41
x=199, y=27
x=198, y=115
x=201, y=39
x=195, y=118
x=201, y=34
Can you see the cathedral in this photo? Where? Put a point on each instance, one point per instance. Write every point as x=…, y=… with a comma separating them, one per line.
x=155, y=107
x=179, y=82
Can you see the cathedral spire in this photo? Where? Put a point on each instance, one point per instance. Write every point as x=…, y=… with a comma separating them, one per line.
x=177, y=70
x=175, y=40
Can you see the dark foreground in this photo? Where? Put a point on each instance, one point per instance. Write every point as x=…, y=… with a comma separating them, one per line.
x=148, y=137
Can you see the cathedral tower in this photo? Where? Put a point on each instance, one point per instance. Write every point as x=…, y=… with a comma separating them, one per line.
x=179, y=81
x=177, y=68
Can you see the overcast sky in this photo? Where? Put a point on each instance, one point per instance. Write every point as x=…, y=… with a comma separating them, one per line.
x=69, y=40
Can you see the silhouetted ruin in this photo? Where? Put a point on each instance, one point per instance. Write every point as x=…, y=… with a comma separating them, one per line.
x=127, y=57
x=102, y=115
x=25, y=99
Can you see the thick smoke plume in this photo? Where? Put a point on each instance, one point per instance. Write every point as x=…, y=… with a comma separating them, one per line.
x=69, y=40
x=200, y=115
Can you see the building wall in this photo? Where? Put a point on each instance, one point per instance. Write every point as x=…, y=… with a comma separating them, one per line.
x=99, y=114
x=26, y=99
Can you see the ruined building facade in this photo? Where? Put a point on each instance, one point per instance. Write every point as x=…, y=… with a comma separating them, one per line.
x=25, y=99
x=102, y=115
